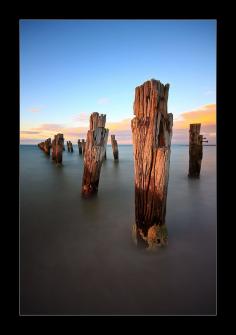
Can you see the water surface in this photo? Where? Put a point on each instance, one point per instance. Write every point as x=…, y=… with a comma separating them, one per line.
x=77, y=255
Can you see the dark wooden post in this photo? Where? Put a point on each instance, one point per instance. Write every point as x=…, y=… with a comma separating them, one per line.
x=54, y=149
x=57, y=148
x=47, y=146
x=94, y=153
x=70, y=147
x=83, y=145
x=152, y=133
x=195, y=150
x=40, y=145
x=114, y=147
x=80, y=147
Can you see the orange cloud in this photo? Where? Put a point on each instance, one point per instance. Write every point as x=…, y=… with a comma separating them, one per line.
x=206, y=115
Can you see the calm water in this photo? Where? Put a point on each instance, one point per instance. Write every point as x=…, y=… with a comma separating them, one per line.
x=77, y=255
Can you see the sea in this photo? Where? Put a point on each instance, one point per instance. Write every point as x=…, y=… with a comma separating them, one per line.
x=77, y=256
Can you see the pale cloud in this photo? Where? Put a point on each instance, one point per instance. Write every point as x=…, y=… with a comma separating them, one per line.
x=34, y=110
x=29, y=132
x=209, y=92
x=81, y=117
x=121, y=125
x=103, y=101
x=49, y=126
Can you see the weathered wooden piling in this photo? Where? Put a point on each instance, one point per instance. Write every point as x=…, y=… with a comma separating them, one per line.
x=54, y=149
x=83, y=146
x=46, y=146
x=195, y=150
x=69, y=146
x=152, y=133
x=57, y=148
x=80, y=146
x=94, y=153
x=114, y=147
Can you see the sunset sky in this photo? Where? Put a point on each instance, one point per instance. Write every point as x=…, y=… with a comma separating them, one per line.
x=72, y=68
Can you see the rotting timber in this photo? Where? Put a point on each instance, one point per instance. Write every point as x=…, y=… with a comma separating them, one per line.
x=83, y=145
x=114, y=148
x=195, y=150
x=80, y=147
x=46, y=146
x=94, y=154
x=57, y=148
x=152, y=133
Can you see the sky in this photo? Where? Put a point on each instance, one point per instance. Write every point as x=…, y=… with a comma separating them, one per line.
x=72, y=68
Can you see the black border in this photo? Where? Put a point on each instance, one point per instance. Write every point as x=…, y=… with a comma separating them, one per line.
x=223, y=29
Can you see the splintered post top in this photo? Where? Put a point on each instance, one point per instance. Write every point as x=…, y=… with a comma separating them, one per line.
x=148, y=95
x=97, y=120
x=195, y=128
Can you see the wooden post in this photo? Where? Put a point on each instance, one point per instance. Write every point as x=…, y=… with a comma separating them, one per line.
x=45, y=146
x=57, y=148
x=152, y=133
x=94, y=153
x=195, y=150
x=54, y=149
x=40, y=145
x=80, y=147
x=114, y=147
x=83, y=145
x=71, y=146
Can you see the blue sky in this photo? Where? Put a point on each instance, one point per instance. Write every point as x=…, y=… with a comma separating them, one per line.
x=71, y=68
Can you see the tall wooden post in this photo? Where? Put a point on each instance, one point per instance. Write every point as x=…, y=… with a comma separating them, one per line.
x=94, y=153
x=83, y=145
x=195, y=150
x=114, y=147
x=152, y=133
x=80, y=147
x=57, y=148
